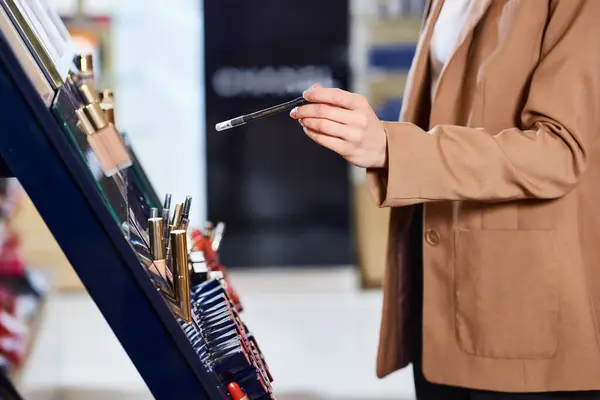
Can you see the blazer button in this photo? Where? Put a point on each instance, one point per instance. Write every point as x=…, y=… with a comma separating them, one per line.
x=432, y=237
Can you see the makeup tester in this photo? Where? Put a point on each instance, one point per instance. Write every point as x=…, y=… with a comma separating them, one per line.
x=267, y=112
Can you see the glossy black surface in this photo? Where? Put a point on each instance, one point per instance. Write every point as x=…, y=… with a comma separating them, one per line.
x=285, y=199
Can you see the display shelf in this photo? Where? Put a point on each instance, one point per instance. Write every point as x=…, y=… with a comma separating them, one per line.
x=35, y=148
x=157, y=282
x=391, y=57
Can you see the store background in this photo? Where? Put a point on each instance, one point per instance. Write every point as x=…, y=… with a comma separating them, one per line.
x=317, y=325
x=285, y=200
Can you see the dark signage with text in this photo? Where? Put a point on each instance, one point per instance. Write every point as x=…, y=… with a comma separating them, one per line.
x=285, y=200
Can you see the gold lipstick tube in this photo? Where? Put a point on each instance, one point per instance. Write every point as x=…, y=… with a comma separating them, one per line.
x=177, y=216
x=88, y=93
x=108, y=105
x=84, y=122
x=155, y=235
x=85, y=64
x=184, y=224
x=181, y=274
x=96, y=115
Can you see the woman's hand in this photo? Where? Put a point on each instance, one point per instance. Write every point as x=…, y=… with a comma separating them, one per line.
x=345, y=123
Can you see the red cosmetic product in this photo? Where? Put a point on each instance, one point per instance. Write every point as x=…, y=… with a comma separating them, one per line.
x=11, y=262
x=8, y=301
x=236, y=392
x=203, y=244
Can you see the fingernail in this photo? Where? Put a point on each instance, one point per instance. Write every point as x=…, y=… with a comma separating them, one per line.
x=300, y=122
x=293, y=112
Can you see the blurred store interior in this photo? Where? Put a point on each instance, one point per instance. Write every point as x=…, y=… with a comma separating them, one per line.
x=304, y=243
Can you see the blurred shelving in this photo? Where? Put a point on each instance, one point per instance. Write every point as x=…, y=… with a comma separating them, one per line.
x=385, y=34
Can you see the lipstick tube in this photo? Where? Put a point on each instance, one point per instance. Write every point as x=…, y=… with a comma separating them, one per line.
x=200, y=299
x=85, y=64
x=221, y=337
x=206, y=288
x=230, y=363
x=88, y=93
x=198, y=262
x=174, y=225
x=179, y=253
x=107, y=102
x=215, y=313
x=236, y=392
x=253, y=384
x=155, y=235
x=177, y=214
x=215, y=316
x=185, y=213
x=224, y=323
x=165, y=216
x=211, y=303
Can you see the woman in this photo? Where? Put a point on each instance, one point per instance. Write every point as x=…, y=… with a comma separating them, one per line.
x=494, y=175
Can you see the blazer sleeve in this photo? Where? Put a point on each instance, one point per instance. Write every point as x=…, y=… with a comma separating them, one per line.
x=543, y=161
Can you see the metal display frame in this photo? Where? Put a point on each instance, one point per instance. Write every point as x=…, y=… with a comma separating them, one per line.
x=36, y=151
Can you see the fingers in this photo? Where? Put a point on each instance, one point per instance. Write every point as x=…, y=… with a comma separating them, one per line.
x=335, y=97
x=329, y=128
x=332, y=143
x=325, y=111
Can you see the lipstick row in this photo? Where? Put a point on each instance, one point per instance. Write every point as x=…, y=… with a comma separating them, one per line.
x=208, y=245
x=198, y=288
x=167, y=235
x=224, y=343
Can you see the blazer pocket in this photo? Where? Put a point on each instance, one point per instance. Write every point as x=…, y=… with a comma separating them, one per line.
x=506, y=293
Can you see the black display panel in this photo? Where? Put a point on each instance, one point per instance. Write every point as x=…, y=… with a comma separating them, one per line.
x=286, y=200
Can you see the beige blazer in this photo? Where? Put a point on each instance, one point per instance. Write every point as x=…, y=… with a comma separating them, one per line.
x=506, y=161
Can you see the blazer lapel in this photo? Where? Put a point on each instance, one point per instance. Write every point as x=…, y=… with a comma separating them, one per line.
x=418, y=72
x=477, y=10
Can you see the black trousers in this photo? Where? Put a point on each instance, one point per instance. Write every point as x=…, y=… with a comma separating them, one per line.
x=430, y=391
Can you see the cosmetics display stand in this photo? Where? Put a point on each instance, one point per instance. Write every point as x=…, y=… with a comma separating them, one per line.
x=162, y=291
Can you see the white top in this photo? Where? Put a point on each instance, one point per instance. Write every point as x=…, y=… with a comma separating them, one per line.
x=445, y=36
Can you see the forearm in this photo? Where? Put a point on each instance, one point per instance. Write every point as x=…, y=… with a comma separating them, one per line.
x=458, y=163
